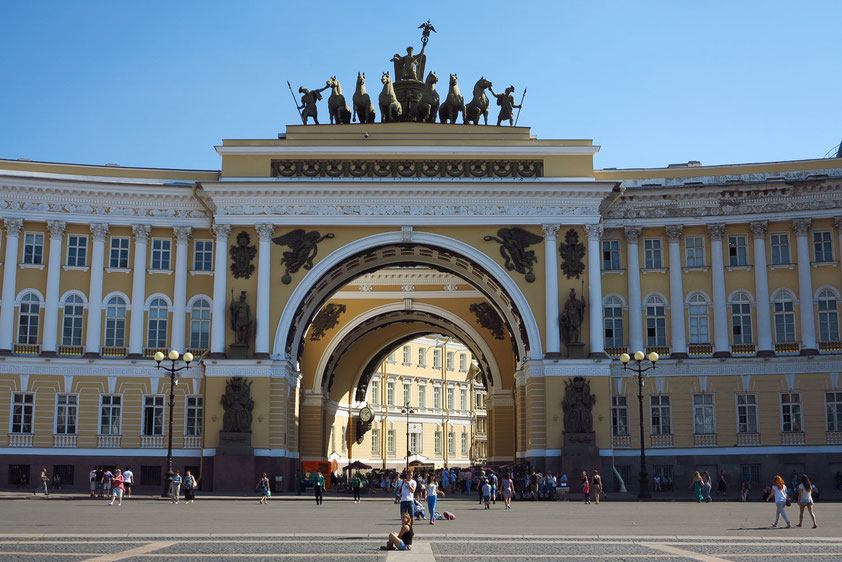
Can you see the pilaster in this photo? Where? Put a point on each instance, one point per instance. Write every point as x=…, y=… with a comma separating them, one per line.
x=632, y=235
x=93, y=333
x=50, y=335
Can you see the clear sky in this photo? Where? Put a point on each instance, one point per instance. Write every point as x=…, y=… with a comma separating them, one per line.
x=158, y=84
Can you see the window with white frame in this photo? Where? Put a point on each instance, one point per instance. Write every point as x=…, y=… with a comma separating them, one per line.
x=77, y=250
x=342, y=440
x=612, y=318
x=422, y=357
x=463, y=399
x=118, y=255
x=203, y=255
x=697, y=314
x=422, y=395
x=479, y=400
x=703, y=418
x=780, y=248
x=407, y=393
x=375, y=441
x=451, y=361
x=737, y=250
x=660, y=414
x=200, y=322
x=610, y=255
x=110, y=410
x=437, y=442
x=784, y=310
x=390, y=393
x=161, y=249
x=391, y=358
x=23, y=407
x=823, y=245
x=390, y=441
x=741, y=319
x=33, y=248
x=450, y=398
x=656, y=322
x=415, y=442
x=193, y=416
x=156, y=333
x=374, y=392
x=694, y=248
x=407, y=355
x=66, y=409
x=72, y=319
x=437, y=397
x=436, y=359
x=833, y=406
x=791, y=412
x=115, y=322
x=746, y=413
x=451, y=443
x=464, y=443
x=28, y=319
x=828, y=316
x=153, y=415
x=619, y=415
x=463, y=362
x=652, y=253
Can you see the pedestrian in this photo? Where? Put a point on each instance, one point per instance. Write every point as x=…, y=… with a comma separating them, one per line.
x=508, y=488
x=318, y=486
x=779, y=492
x=263, y=488
x=657, y=481
x=92, y=477
x=407, y=494
x=356, y=484
x=175, y=487
x=706, y=486
x=597, y=485
x=492, y=479
x=402, y=540
x=486, y=494
x=722, y=487
x=433, y=498
x=189, y=486
x=43, y=483
x=805, y=500
x=744, y=490
x=128, y=480
x=117, y=487
x=696, y=484
x=56, y=481
x=100, y=481
x=586, y=487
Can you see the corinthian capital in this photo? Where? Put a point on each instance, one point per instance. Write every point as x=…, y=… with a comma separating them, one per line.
x=716, y=231
x=99, y=230
x=221, y=231
x=759, y=228
x=265, y=231
x=182, y=234
x=550, y=230
x=13, y=226
x=801, y=226
x=674, y=232
x=593, y=231
x=632, y=233
x=141, y=231
x=56, y=228
x=837, y=222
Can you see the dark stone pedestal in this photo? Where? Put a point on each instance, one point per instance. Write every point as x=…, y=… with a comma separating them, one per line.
x=234, y=473
x=580, y=444
x=580, y=454
x=236, y=444
x=238, y=351
x=576, y=351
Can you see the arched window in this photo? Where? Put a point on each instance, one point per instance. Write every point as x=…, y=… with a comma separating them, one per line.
x=741, y=319
x=156, y=333
x=30, y=310
x=115, y=322
x=73, y=316
x=784, y=308
x=656, y=322
x=828, y=316
x=613, y=321
x=200, y=314
x=697, y=312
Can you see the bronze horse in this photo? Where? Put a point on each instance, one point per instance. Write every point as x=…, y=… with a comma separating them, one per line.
x=336, y=106
x=454, y=104
x=427, y=107
x=362, y=102
x=390, y=107
x=479, y=105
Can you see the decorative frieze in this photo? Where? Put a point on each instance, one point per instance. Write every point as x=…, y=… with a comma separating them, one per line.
x=408, y=168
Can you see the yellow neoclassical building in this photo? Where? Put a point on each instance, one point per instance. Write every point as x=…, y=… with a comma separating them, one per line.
x=352, y=244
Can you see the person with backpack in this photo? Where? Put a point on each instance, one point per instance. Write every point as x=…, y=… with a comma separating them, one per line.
x=356, y=484
x=189, y=485
x=492, y=480
x=43, y=483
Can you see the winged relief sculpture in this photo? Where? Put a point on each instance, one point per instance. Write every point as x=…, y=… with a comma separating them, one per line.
x=513, y=247
x=302, y=250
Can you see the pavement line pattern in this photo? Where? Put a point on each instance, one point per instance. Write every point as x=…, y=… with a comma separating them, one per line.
x=681, y=552
x=422, y=551
x=138, y=551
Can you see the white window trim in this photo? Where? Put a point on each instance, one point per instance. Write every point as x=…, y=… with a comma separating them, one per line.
x=705, y=266
x=693, y=412
x=12, y=410
x=756, y=410
x=168, y=271
x=143, y=411
x=55, y=413
x=781, y=409
x=660, y=249
x=99, y=416
x=66, y=264
x=202, y=271
x=22, y=239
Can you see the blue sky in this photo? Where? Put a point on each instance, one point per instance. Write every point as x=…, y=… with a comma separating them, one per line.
x=158, y=83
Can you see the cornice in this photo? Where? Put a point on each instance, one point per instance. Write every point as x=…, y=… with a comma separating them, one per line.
x=414, y=150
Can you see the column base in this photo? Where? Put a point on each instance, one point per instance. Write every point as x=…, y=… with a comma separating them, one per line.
x=679, y=355
x=721, y=354
x=809, y=351
x=765, y=353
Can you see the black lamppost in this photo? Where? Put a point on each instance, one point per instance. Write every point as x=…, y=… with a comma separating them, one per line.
x=639, y=370
x=407, y=410
x=173, y=356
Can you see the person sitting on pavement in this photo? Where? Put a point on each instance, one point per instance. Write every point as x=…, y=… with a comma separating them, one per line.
x=402, y=540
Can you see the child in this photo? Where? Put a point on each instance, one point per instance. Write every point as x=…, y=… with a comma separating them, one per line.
x=486, y=494
x=586, y=487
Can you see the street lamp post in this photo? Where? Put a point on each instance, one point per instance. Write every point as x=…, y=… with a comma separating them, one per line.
x=407, y=410
x=639, y=370
x=173, y=356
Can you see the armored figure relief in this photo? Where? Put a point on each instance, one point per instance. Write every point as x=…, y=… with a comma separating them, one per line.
x=506, y=101
x=572, y=317
x=513, y=247
x=308, y=104
x=488, y=318
x=241, y=320
x=238, y=405
x=326, y=319
x=572, y=252
x=303, y=249
x=577, y=405
x=241, y=256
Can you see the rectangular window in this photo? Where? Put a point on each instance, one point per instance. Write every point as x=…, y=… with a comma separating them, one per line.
x=23, y=405
x=463, y=362
x=464, y=443
x=697, y=313
x=422, y=357
x=374, y=396
x=450, y=361
x=750, y=472
x=741, y=322
x=33, y=248
x=437, y=397
x=109, y=414
x=193, y=416
x=422, y=395
x=77, y=250
x=407, y=355
x=150, y=475
x=407, y=390
x=390, y=441
x=791, y=412
x=694, y=247
x=203, y=255
x=415, y=443
x=119, y=253
x=652, y=253
x=737, y=251
x=660, y=406
x=392, y=358
x=153, y=415
x=480, y=401
x=612, y=314
x=833, y=404
x=65, y=472
x=66, y=408
x=451, y=443
x=703, y=420
x=610, y=255
x=161, y=254
x=780, y=249
x=436, y=359
x=746, y=413
x=375, y=441
x=620, y=415
x=450, y=398
x=823, y=245
x=463, y=399
x=19, y=474
x=437, y=442
x=390, y=393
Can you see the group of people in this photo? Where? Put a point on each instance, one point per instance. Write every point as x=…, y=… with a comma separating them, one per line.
x=105, y=483
x=803, y=496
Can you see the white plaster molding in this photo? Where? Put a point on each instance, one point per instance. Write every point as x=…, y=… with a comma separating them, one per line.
x=68, y=383
x=503, y=150
x=24, y=383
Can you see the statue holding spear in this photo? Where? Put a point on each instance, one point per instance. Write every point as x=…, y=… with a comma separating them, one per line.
x=506, y=101
x=308, y=103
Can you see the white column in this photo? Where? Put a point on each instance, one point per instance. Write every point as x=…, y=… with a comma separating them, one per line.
x=48, y=340
x=805, y=287
x=632, y=234
x=551, y=288
x=264, y=263
x=761, y=284
x=837, y=222
x=179, y=306
x=597, y=330
x=678, y=330
x=141, y=237
x=721, y=343
x=220, y=276
x=10, y=261
x=93, y=334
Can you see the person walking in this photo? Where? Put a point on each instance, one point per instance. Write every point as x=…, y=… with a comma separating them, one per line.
x=696, y=484
x=779, y=492
x=805, y=500
x=722, y=487
x=706, y=486
x=318, y=487
x=92, y=477
x=507, y=486
x=42, y=484
x=486, y=494
x=433, y=498
x=596, y=485
x=586, y=487
x=356, y=484
x=263, y=488
x=117, y=487
x=128, y=481
x=189, y=487
x=175, y=487
x=493, y=481
x=407, y=494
